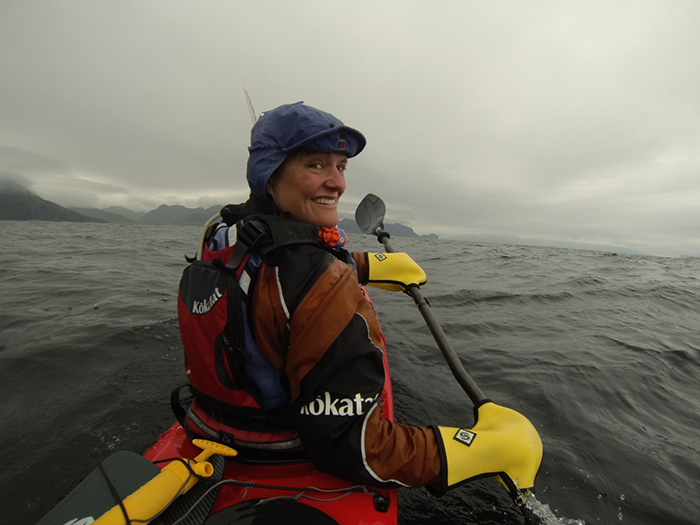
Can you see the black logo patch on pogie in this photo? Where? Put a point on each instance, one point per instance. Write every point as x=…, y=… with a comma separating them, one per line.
x=466, y=437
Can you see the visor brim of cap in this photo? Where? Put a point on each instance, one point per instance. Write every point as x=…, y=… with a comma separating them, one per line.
x=354, y=138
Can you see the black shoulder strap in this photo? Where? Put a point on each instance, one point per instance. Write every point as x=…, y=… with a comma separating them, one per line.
x=266, y=233
x=248, y=235
x=176, y=404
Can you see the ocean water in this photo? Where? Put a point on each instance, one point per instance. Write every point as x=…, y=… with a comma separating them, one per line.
x=600, y=351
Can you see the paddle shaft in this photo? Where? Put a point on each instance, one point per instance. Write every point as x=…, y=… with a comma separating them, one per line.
x=458, y=371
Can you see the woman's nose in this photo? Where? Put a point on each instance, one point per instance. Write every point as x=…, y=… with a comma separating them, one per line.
x=336, y=179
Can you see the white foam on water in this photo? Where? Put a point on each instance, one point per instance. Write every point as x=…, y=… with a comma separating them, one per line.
x=544, y=515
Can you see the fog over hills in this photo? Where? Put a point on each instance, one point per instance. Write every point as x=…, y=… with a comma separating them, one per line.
x=18, y=203
x=104, y=215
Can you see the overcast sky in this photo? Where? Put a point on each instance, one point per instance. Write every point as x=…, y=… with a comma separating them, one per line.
x=559, y=120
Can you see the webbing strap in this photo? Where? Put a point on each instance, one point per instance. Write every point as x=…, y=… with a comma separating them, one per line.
x=248, y=235
x=176, y=405
x=113, y=490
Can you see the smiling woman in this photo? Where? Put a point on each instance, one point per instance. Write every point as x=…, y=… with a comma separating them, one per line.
x=315, y=335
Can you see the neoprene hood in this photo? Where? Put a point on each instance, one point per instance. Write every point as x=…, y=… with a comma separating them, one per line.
x=295, y=127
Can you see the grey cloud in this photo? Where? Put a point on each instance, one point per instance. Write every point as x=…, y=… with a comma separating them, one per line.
x=534, y=119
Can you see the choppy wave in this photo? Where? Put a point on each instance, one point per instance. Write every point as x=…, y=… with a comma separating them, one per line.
x=600, y=351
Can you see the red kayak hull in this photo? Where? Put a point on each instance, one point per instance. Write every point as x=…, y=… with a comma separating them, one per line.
x=356, y=508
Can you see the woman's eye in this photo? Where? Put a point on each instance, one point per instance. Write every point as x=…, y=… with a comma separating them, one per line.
x=342, y=167
x=316, y=165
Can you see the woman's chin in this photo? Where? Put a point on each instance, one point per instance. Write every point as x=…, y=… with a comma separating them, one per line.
x=323, y=218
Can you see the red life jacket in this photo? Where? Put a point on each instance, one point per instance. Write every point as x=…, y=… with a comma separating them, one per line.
x=240, y=399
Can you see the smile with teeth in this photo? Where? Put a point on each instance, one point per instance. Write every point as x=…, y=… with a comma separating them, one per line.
x=324, y=200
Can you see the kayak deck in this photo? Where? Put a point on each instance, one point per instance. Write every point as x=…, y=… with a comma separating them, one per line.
x=338, y=499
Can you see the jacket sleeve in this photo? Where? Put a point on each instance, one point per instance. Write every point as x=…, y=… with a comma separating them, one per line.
x=361, y=265
x=336, y=375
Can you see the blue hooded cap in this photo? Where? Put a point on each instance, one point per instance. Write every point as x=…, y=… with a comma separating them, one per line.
x=294, y=127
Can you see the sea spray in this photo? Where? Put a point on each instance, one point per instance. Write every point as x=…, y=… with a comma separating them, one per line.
x=537, y=513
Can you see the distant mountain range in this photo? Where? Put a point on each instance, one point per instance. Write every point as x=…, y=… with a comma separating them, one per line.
x=396, y=229
x=164, y=214
x=19, y=204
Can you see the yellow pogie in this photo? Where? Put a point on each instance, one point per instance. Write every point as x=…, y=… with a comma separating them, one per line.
x=394, y=271
x=502, y=442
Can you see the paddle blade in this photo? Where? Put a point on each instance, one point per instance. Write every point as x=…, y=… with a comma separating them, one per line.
x=369, y=214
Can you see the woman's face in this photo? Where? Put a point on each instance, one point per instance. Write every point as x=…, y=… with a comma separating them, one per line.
x=309, y=185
